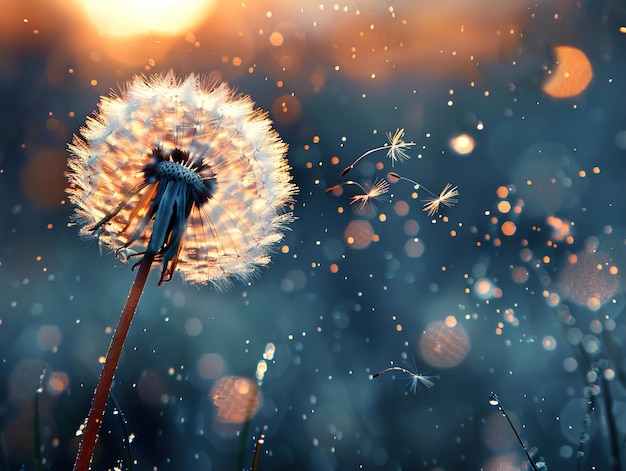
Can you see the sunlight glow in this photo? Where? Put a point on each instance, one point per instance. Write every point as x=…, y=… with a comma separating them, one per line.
x=134, y=17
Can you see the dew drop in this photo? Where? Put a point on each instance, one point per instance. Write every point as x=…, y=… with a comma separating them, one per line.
x=493, y=399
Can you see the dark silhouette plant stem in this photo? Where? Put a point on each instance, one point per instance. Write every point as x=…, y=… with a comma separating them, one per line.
x=584, y=433
x=614, y=457
x=94, y=419
x=615, y=355
x=37, y=437
x=128, y=452
x=494, y=401
x=243, y=441
x=257, y=450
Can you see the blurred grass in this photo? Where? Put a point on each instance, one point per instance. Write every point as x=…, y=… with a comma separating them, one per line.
x=37, y=437
x=128, y=455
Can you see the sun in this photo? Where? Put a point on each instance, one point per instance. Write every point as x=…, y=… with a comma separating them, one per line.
x=136, y=17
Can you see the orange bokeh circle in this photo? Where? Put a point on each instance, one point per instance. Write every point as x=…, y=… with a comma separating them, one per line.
x=442, y=346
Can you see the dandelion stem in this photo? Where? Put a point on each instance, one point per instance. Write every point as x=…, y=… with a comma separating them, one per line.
x=393, y=368
x=351, y=166
x=94, y=419
x=416, y=185
x=413, y=376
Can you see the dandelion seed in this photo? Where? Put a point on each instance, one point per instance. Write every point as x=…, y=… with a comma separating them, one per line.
x=447, y=197
x=397, y=145
x=415, y=379
x=395, y=150
x=370, y=192
x=182, y=172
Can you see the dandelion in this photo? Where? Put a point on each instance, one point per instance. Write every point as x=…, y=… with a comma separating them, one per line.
x=369, y=193
x=395, y=150
x=186, y=170
x=415, y=379
x=447, y=197
x=184, y=173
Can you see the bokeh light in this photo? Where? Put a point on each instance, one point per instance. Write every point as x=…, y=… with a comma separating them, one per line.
x=286, y=109
x=508, y=228
x=497, y=434
x=442, y=346
x=358, y=234
x=463, y=144
x=520, y=104
x=414, y=247
x=504, y=462
x=57, y=383
x=484, y=288
x=49, y=337
x=210, y=365
x=571, y=74
x=236, y=399
x=590, y=278
x=549, y=343
x=520, y=275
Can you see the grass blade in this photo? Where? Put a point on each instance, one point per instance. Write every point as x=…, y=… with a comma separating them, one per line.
x=257, y=450
x=128, y=454
x=37, y=434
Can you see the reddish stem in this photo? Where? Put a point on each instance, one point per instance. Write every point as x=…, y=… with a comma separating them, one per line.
x=90, y=436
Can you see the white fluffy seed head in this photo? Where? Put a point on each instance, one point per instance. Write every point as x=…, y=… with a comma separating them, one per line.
x=232, y=233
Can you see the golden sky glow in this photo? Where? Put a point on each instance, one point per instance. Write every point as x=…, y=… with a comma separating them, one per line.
x=133, y=17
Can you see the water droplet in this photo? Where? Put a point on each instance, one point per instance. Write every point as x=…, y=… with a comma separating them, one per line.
x=493, y=399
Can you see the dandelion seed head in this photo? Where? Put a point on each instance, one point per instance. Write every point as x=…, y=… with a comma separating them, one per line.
x=187, y=168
